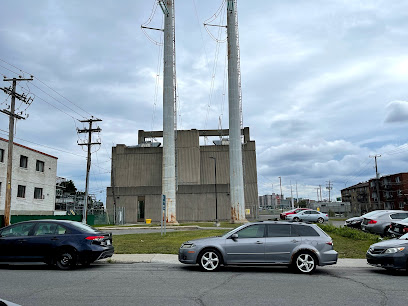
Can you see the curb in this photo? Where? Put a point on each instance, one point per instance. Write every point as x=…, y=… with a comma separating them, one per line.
x=173, y=259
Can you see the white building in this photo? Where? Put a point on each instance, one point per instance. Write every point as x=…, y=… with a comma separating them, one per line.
x=33, y=180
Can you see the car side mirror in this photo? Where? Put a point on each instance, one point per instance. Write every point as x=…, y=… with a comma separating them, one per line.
x=234, y=236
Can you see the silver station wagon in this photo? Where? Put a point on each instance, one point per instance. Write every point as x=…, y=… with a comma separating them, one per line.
x=299, y=245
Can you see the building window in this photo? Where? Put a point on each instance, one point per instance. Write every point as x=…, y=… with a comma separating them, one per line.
x=0, y=188
x=38, y=193
x=397, y=179
x=401, y=205
x=21, y=191
x=23, y=161
x=1, y=155
x=39, y=166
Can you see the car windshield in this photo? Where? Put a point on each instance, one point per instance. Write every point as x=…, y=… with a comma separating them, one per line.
x=404, y=220
x=85, y=228
x=371, y=213
x=404, y=237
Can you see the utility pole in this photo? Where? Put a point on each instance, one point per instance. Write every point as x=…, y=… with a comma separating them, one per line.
x=329, y=187
x=321, y=199
x=22, y=97
x=297, y=196
x=376, y=179
x=291, y=196
x=89, y=144
x=169, y=184
x=317, y=193
x=281, y=196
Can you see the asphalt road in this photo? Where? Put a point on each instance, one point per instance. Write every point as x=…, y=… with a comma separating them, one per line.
x=177, y=284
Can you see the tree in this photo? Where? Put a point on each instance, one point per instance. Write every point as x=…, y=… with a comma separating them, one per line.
x=302, y=203
x=69, y=187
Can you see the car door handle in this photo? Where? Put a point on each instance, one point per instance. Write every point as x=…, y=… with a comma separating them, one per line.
x=54, y=238
x=259, y=242
x=21, y=240
x=294, y=240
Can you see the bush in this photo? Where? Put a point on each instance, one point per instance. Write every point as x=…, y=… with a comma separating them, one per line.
x=349, y=232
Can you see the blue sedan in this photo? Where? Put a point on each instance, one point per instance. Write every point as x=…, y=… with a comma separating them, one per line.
x=309, y=215
x=55, y=242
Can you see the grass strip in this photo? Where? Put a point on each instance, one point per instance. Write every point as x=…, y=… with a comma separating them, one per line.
x=154, y=243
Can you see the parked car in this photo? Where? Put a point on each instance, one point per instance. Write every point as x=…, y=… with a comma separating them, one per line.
x=379, y=223
x=55, y=242
x=308, y=215
x=356, y=221
x=290, y=212
x=389, y=254
x=298, y=245
x=398, y=228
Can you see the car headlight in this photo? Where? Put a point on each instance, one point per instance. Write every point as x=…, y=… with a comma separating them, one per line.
x=187, y=245
x=393, y=250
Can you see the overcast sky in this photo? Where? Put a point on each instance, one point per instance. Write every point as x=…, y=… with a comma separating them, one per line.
x=324, y=83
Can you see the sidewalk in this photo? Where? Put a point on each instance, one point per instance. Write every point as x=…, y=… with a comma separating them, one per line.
x=173, y=259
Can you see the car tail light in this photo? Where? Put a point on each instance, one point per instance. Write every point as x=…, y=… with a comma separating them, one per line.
x=405, y=230
x=95, y=238
x=330, y=243
x=372, y=222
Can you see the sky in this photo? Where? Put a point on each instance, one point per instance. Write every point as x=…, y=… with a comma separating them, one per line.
x=324, y=83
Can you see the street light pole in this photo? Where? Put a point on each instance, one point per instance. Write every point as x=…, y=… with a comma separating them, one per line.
x=216, y=198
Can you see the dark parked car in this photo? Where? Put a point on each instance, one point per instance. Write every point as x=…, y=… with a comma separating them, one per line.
x=355, y=222
x=389, y=254
x=59, y=242
x=398, y=228
x=299, y=245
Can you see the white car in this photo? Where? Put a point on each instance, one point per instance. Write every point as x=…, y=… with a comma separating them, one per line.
x=308, y=215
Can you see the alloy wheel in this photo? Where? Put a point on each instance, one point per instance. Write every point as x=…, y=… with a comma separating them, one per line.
x=305, y=263
x=210, y=261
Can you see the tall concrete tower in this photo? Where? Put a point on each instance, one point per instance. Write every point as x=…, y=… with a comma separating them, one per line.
x=235, y=116
x=169, y=101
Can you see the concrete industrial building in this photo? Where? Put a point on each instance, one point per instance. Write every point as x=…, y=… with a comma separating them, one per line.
x=137, y=177
x=33, y=180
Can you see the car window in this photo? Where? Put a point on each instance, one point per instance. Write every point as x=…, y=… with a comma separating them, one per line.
x=314, y=212
x=17, y=230
x=49, y=229
x=303, y=231
x=307, y=212
x=398, y=216
x=85, y=228
x=278, y=230
x=252, y=231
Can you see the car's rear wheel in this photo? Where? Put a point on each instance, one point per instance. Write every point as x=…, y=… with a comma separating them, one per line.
x=65, y=259
x=296, y=219
x=210, y=260
x=304, y=263
x=320, y=220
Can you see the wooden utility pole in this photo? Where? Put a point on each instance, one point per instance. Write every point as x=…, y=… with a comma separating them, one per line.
x=89, y=144
x=12, y=92
x=377, y=179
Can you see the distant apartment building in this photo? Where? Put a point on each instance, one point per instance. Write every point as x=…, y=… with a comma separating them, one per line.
x=359, y=198
x=33, y=180
x=387, y=192
x=393, y=191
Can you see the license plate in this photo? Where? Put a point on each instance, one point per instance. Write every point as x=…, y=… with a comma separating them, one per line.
x=108, y=242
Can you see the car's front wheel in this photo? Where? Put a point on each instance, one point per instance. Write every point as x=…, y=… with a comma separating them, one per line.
x=304, y=263
x=210, y=260
x=65, y=260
